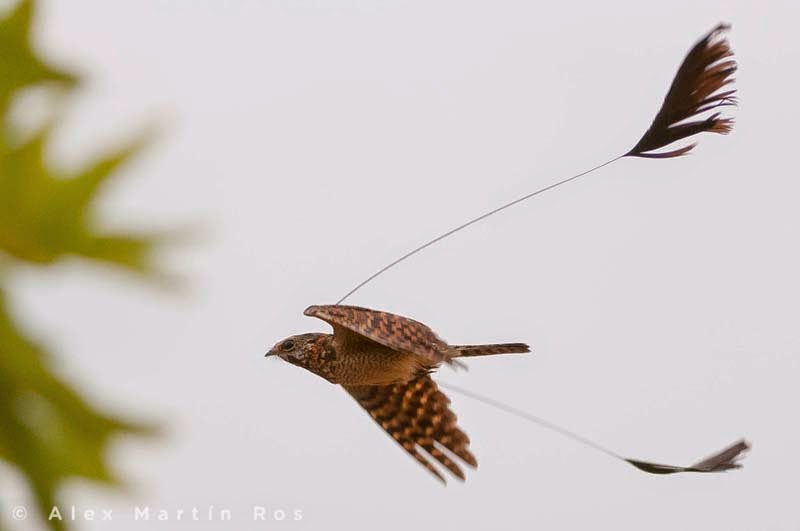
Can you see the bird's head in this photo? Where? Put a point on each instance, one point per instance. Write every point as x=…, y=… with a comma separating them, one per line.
x=304, y=350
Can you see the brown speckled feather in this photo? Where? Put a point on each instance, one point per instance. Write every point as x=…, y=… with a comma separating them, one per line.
x=417, y=415
x=390, y=330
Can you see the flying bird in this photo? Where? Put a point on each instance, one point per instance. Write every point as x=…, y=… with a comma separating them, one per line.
x=385, y=362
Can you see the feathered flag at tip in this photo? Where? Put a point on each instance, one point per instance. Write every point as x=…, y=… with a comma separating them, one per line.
x=724, y=460
x=694, y=102
x=696, y=89
x=721, y=461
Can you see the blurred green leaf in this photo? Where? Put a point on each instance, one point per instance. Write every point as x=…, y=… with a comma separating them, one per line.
x=45, y=215
x=48, y=431
x=19, y=65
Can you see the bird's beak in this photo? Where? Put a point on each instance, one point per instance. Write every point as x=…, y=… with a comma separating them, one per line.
x=269, y=353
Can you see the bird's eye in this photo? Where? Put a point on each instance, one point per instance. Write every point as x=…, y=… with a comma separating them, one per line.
x=287, y=345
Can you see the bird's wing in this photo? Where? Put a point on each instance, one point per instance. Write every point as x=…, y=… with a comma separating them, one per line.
x=417, y=415
x=390, y=330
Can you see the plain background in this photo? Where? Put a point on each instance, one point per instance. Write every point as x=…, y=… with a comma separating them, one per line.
x=310, y=142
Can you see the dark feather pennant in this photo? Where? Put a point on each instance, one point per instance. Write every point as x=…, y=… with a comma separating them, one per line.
x=696, y=89
x=719, y=462
x=691, y=106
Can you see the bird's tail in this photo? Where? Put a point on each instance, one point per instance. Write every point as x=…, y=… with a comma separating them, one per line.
x=489, y=350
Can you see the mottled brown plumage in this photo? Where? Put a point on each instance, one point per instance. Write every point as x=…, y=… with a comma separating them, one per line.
x=384, y=361
x=416, y=414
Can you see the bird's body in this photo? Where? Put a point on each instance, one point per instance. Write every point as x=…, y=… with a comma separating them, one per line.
x=384, y=361
x=356, y=363
x=378, y=365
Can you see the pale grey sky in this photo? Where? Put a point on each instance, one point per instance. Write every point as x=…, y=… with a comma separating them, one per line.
x=314, y=141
